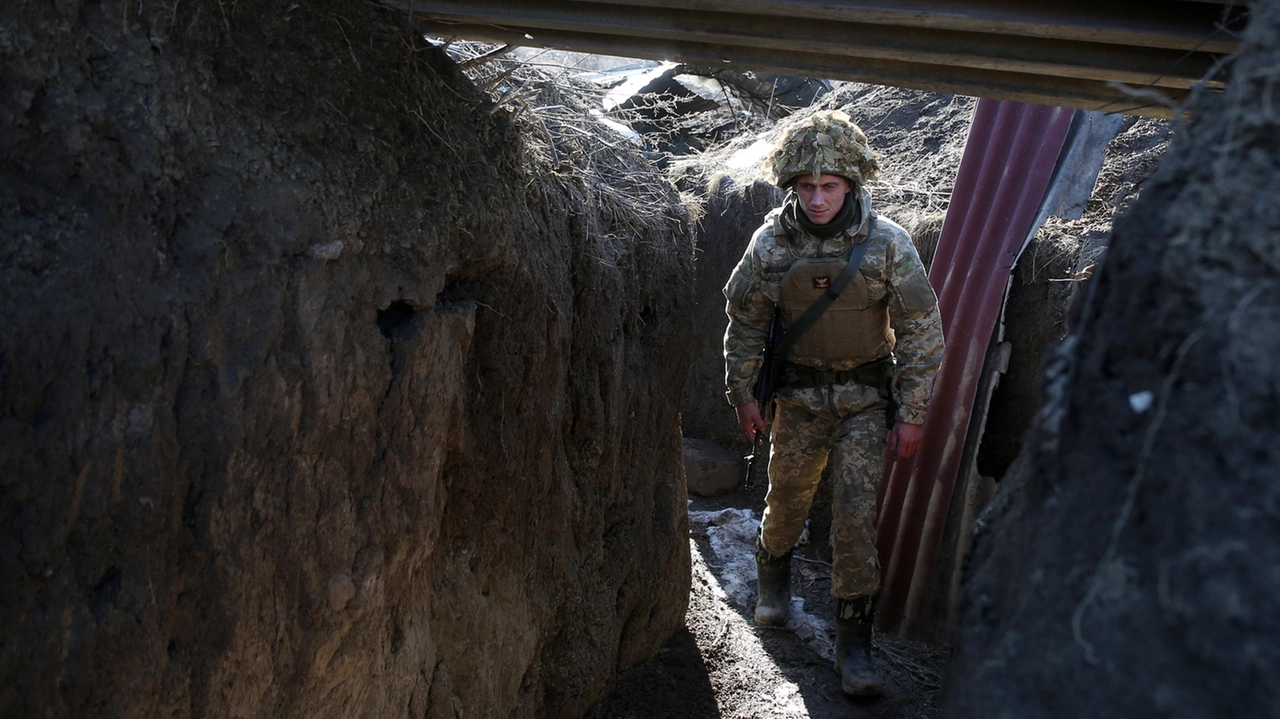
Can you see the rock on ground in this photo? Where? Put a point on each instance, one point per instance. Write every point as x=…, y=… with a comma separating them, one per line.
x=709, y=468
x=1128, y=567
x=317, y=398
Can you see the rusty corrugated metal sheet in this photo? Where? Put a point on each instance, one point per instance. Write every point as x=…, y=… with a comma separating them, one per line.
x=1008, y=162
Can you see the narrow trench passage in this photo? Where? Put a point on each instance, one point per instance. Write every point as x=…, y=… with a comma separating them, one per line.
x=720, y=666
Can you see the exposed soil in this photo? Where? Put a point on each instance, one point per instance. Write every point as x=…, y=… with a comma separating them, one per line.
x=721, y=666
x=1128, y=566
x=322, y=391
x=295, y=424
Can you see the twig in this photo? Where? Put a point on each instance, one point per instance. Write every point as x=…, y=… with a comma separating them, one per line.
x=418, y=114
x=479, y=60
x=350, y=49
x=500, y=78
x=1148, y=443
x=928, y=676
x=555, y=156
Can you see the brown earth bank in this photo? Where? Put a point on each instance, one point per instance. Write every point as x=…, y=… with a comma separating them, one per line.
x=317, y=396
x=1128, y=566
x=731, y=213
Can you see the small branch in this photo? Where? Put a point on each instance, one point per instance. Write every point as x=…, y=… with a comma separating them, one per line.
x=479, y=60
x=350, y=48
x=551, y=142
x=1148, y=446
x=500, y=78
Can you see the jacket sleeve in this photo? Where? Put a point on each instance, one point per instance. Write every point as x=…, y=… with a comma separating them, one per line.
x=750, y=308
x=917, y=324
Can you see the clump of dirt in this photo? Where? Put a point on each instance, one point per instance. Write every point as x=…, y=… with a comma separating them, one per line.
x=320, y=391
x=1129, y=558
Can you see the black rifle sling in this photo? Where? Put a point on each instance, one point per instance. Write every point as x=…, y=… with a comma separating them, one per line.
x=820, y=305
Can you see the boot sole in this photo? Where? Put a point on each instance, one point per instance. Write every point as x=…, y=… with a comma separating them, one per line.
x=867, y=690
x=769, y=619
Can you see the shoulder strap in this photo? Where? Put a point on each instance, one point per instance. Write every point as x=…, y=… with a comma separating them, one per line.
x=820, y=305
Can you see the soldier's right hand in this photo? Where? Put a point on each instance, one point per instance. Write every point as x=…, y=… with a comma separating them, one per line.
x=750, y=420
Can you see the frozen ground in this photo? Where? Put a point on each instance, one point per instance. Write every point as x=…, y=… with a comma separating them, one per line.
x=721, y=665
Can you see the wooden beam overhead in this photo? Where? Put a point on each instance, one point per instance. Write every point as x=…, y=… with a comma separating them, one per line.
x=1138, y=57
x=1173, y=24
x=1038, y=89
x=1059, y=58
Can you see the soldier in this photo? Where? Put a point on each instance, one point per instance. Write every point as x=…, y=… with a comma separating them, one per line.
x=871, y=355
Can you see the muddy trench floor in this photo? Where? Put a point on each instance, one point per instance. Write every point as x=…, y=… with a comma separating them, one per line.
x=720, y=665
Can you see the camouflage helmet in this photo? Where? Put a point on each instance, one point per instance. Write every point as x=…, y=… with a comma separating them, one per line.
x=825, y=143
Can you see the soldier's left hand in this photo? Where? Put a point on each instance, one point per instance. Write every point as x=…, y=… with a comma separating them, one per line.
x=904, y=440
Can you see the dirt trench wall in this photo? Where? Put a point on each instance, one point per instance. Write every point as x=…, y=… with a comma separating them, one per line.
x=1127, y=568
x=732, y=214
x=315, y=400
x=1034, y=319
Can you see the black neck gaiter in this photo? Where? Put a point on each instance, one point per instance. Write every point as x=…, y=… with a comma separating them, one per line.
x=848, y=216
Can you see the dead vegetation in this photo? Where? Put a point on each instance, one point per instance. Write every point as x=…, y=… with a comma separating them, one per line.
x=568, y=141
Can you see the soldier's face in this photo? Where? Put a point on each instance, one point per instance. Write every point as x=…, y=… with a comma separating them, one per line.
x=821, y=196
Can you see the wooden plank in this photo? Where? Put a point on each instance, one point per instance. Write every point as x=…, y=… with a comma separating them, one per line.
x=1172, y=24
x=1093, y=61
x=1020, y=87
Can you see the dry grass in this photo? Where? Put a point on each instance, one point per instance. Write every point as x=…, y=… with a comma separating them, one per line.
x=923, y=662
x=568, y=142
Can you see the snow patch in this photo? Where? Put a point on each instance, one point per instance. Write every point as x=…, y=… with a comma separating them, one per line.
x=750, y=156
x=732, y=535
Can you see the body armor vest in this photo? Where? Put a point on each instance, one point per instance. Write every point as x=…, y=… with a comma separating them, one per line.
x=851, y=330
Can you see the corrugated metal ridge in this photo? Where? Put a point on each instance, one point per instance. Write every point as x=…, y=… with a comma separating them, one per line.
x=1008, y=161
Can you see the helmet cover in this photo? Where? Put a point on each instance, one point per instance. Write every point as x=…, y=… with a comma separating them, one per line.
x=825, y=143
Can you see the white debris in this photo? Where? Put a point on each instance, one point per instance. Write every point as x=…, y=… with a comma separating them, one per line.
x=328, y=251
x=816, y=633
x=705, y=87
x=1141, y=401
x=750, y=156
x=732, y=533
x=634, y=83
x=618, y=127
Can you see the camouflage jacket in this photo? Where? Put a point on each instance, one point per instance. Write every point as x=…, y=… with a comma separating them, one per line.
x=894, y=275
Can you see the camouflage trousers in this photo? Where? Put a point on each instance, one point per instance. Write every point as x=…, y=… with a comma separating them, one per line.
x=846, y=424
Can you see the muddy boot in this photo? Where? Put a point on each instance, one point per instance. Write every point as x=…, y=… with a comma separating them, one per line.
x=773, y=575
x=853, y=646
